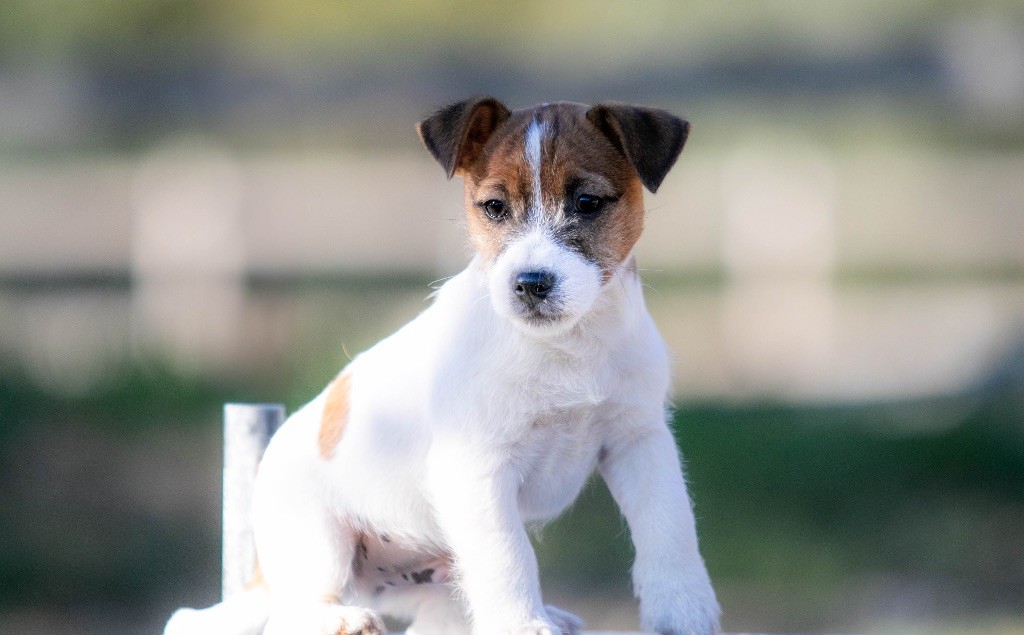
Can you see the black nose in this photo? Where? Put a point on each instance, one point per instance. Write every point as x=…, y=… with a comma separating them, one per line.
x=533, y=286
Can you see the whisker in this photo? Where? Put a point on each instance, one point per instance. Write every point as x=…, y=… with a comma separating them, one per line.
x=444, y=279
x=483, y=297
x=646, y=284
x=625, y=292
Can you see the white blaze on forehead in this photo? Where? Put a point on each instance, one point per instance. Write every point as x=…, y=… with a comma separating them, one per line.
x=534, y=138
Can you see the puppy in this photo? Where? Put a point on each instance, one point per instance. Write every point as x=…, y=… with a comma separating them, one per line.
x=403, y=488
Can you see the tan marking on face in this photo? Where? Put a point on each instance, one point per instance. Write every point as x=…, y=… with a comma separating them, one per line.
x=483, y=235
x=575, y=158
x=501, y=174
x=624, y=228
x=335, y=416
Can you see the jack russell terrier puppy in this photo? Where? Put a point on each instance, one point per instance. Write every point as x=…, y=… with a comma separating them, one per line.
x=404, y=487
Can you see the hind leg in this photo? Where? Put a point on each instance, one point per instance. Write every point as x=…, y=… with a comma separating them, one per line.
x=305, y=550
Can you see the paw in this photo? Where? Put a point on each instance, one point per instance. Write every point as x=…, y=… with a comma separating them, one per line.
x=325, y=619
x=352, y=620
x=565, y=621
x=686, y=607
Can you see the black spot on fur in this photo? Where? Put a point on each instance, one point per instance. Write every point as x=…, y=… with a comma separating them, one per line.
x=357, y=565
x=423, y=577
x=378, y=590
x=579, y=239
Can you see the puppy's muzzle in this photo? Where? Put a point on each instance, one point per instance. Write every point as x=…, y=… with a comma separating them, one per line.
x=532, y=287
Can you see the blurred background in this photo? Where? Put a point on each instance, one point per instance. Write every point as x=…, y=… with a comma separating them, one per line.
x=214, y=200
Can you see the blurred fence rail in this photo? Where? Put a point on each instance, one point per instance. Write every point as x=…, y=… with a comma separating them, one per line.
x=778, y=226
x=790, y=209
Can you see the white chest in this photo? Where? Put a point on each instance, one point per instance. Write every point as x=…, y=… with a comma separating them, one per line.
x=555, y=458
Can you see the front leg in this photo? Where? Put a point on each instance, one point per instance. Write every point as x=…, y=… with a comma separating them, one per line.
x=475, y=499
x=643, y=473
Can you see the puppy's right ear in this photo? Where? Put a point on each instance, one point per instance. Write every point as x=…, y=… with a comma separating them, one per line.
x=456, y=134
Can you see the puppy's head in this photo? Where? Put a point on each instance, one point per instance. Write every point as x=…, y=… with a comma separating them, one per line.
x=554, y=195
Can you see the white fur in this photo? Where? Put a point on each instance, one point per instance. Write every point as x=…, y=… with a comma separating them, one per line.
x=464, y=425
x=532, y=149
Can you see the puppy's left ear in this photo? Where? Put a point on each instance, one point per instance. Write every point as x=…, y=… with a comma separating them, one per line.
x=650, y=138
x=456, y=134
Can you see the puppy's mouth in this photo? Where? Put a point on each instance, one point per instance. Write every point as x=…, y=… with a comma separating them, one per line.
x=540, y=317
x=547, y=314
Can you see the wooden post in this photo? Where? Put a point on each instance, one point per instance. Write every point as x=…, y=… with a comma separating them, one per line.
x=247, y=431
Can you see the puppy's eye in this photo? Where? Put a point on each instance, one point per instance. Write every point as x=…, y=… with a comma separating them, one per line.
x=495, y=209
x=587, y=204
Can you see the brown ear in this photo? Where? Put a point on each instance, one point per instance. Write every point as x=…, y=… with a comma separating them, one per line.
x=650, y=138
x=456, y=134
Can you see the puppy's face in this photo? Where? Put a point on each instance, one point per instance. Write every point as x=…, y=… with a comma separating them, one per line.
x=554, y=198
x=553, y=209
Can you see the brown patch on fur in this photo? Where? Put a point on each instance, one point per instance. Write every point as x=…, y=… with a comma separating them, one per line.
x=576, y=158
x=583, y=161
x=257, y=581
x=502, y=173
x=624, y=228
x=335, y=416
x=607, y=150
